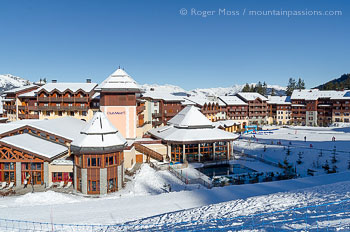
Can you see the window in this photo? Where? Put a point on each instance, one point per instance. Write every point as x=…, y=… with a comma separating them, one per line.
x=72, y=113
x=84, y=113
x=47, y=113
x=59, y=113
x=93, y=162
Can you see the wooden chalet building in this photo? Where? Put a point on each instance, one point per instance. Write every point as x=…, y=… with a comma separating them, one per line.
x=191, y=137
x=98, y=157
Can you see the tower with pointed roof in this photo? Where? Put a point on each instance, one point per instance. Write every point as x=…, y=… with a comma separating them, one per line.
x=98, y=157
x=118, y=95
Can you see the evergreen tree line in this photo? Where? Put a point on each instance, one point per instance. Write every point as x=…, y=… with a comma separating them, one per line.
x=293, y=85
x=262, y=87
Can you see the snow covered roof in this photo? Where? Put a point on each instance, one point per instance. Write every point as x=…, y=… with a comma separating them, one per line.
x=36, y=145
x=202, y=101
x=314, y=94
x=190, y=117
x=161, y=95
x=248, y=96
x=226, y=123
x=99, y=135
x=119, y=81
x=171, y=133
x=28, y=94
x=279, y=100
x=187, y=102
x=6, y=127
x=19, y=89
x=62, y=87
x=232, y=100
x=66, y=127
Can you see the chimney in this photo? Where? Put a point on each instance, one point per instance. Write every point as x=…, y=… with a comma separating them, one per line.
x=88, y=80
x=54, y=81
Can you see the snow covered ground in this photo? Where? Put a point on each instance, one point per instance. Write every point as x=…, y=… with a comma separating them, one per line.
x=315, y=152
x=145, y=203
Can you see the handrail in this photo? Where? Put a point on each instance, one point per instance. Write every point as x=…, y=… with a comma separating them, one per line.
x=147, y=151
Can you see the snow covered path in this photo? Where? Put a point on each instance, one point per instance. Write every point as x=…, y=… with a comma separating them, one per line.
x=114, y=209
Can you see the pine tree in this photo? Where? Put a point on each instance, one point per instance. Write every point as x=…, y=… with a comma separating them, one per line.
x=300, y=84
x=291, y=86
x=246, y=88
x=264, y=89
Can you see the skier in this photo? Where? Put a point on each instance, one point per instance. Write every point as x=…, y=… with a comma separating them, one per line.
x=305, y=139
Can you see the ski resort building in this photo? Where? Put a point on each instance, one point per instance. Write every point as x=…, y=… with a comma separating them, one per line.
x=16, y=107
x=118, y=94
x=237, y=113
x=191, y=137
x=320, y=108
x=98, y=157
x=65, y=99
x=38, y=150
x=211, y=106
x=257, y=111
x=161, y=107
x=279, y=110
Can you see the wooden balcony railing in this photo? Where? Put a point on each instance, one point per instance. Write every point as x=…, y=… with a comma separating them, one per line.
x=63, y=107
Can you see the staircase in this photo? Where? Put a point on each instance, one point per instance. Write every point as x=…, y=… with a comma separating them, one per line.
x=148, y=152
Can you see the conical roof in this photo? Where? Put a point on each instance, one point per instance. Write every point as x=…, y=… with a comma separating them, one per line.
x=119, y=81
x=190, y=117
x=99, y=136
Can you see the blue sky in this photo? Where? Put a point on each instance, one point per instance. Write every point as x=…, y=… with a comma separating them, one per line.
x=74, y=40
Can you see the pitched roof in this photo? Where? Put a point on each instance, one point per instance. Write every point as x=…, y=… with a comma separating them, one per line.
x=28, y=94
x=162, y=95
x=36, y=145
x=62, y=87
x=314, y=94
x=66, y=127
x=119, y=81
x=22, y=88
x=99, y=135
x=232, y=100
x=173, y=134
x=190, y=116
x=279, y=100
x=201, y=101
x=251, y=96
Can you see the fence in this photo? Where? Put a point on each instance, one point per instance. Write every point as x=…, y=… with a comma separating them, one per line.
x=188, y=180
x=333, y=216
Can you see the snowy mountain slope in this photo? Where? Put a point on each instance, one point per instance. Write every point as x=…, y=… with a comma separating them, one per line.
x=237, y=200
x=218, y=91
x=8, y=81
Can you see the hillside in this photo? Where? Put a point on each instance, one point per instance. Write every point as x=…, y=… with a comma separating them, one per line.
x=343, y=82
x=218, y=91
x=8, y=81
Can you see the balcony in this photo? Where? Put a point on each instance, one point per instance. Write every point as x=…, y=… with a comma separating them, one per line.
x=9, y=107
x=28, y=116
x=63, y=108
x=140, y=109
x=63, y=99
x=156, y=115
